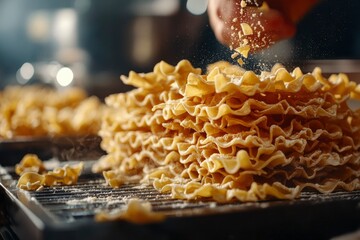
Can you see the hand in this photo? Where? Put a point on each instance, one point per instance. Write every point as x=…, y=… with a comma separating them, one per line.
x=269, y=25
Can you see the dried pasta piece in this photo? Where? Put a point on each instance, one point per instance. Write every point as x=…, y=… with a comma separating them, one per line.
x=34, y=180
x=30, y=181
x=30, y=163
x=247, y=30
x=66, y=175
x=243, y=50
x=136, y=211
x=115, y=179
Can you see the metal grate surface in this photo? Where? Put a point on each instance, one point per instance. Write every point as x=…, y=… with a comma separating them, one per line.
x=64, y=207
x=90, y=196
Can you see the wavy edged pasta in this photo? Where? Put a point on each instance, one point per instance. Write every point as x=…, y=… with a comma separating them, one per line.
x=42, y=111
x=135, y=211
x=30, y=163
x=33, y=175
x=233, y=134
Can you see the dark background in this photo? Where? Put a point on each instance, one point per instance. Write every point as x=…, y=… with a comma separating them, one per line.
x=109, y=37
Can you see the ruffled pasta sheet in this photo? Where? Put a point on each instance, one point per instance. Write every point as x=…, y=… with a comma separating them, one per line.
x=135, y=211
x=121, y=122
x=230, y=137
x=83, y=119
x=194, y=190
x=131, y=107
x=257, y=191
x=133, y=111
x=66, y=175
x=37, y=111
x=278, y=80
x=235, y=106
x=218, y=169
x=210, y=160
x=152, y=87
x=281, y=147
x=31, y=94
x=245, y=187
x=29, y=163
x=131, y=150
x=163, y=77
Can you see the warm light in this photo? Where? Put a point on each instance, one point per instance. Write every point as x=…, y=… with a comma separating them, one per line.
x=156, y=7
x=143, y=44
x=65, y=27
x=197, y=7
x=52, y=69
x=25, y=73
x=64, y=76
x=38, y=26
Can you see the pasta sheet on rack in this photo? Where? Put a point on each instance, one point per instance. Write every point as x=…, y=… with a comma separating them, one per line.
x=233, y=134
x=33, y=175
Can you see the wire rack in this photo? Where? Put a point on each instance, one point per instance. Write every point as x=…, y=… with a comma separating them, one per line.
x=67, y=211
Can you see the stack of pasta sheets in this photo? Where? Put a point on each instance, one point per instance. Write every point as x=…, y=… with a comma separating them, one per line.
x=38, y=111
x=231, y=134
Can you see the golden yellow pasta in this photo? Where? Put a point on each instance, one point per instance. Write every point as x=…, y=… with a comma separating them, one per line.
x=30, y=163
x=39, y=111
x=33, y=175
x=233, y=134
x=135, y=211
x=31, y=181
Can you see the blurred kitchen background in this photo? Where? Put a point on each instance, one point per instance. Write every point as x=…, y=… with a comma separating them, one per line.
x=90, y=43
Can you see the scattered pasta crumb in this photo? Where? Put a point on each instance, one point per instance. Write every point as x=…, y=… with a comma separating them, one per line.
x=136, y=211
x=241, y=37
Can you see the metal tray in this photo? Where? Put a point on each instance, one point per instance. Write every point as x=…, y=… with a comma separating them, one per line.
x=67, y=212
